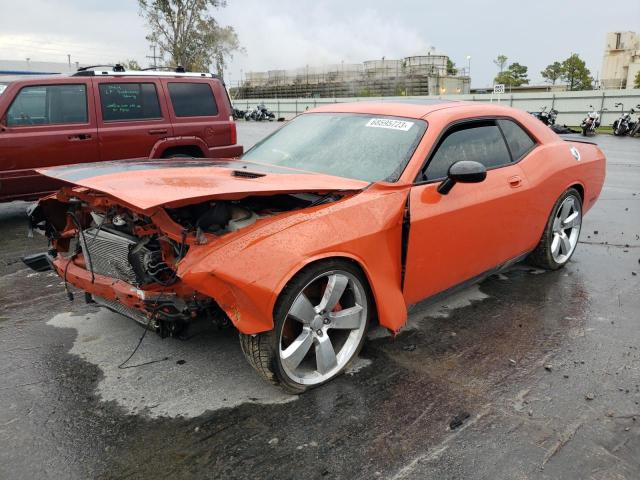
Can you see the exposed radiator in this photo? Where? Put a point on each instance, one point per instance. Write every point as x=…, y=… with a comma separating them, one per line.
x=132, y=313
x=108, y=254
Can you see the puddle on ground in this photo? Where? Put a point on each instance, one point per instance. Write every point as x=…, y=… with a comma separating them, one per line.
x=207, y=372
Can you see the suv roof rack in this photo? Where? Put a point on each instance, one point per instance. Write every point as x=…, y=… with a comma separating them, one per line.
x=119, y=71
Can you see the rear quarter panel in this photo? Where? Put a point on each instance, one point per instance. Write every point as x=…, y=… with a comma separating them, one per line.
x=555, y=170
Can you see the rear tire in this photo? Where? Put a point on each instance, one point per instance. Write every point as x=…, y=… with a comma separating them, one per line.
x=310, y=344
x=561, y=233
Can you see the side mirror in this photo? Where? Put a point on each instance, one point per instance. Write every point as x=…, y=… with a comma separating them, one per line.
x=464, y=171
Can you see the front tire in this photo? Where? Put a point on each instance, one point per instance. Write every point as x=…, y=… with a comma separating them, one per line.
x=320, y=324
x=561, y=232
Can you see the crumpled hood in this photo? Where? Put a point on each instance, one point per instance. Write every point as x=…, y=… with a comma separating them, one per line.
x=147, y=183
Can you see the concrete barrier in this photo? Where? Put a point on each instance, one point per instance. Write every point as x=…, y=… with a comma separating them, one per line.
x=572, y=106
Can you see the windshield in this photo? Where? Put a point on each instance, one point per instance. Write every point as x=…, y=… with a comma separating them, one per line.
x=362, y=147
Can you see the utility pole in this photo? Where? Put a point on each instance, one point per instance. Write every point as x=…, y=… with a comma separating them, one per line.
x=154, y=58
x=69, y=60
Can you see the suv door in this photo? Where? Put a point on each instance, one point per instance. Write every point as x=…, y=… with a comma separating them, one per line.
x=200, y=108
x=47, y=124
x=132, y=116
x=476, y=226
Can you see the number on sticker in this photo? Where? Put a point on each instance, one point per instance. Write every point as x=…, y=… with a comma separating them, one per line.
x=388, y=123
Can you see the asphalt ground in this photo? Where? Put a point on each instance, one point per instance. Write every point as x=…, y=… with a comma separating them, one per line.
x=528, y=375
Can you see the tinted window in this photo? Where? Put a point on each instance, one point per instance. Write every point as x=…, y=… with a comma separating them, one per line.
x=363, y=147
x=129, y=101
x=518, y=140
x=192, y=100
x=47, y=105
x=479, y=143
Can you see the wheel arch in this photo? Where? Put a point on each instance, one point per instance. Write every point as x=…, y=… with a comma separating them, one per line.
x=164, y=145
x=325, y=257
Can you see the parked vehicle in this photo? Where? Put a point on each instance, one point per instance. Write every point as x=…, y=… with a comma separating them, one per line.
x=349, y=213
x=260, y=113
x=548, y=118
x=624, y=124
x=591, y=122
x=99, y=115
x=636, y=125
x=238, y=114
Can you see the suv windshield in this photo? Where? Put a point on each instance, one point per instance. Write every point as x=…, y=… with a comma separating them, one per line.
x=363, y=147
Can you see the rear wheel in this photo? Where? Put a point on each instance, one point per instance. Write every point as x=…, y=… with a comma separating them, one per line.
x=561, y=233
x=321, y=319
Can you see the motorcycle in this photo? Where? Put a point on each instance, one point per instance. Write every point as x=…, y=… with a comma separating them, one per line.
x=260, y=113
x=624, y=124
x=636, y=127
x=590, y=122
x=238, y=114
x=548, y=118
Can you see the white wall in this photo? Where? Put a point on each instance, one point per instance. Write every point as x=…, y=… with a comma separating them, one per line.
x=572, y=106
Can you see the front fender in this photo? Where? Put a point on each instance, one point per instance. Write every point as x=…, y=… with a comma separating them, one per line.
x=246, y=274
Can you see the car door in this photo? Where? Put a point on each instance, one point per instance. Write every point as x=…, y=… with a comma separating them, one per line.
x=476, y=226
x=132, y=116
x=199, y=108
x=45, y=125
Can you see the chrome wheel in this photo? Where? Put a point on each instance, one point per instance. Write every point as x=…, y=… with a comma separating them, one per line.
x=566, y=229
x=323, y=327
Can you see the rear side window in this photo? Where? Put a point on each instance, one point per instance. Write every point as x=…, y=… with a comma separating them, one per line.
x=192, y=100
x=48, y=105
x=518, y=140
x=129, y=101
x=479, y=142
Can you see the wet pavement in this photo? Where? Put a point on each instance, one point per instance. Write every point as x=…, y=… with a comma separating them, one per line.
x=530, y=374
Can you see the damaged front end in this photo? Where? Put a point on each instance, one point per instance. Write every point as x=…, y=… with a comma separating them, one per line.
x=126, y=259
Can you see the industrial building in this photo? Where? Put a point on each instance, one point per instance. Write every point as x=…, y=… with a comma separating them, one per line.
x=621, y=62
x=417, y=75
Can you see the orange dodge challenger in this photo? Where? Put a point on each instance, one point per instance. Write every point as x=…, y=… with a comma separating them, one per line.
x=346, y=215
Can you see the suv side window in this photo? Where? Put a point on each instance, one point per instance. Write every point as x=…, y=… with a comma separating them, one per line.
x=519, y=141
x=478, y=141
x=48, y=105
x=192, y=100
x=129, y=101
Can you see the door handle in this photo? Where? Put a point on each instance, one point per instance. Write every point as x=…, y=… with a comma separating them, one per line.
x=515, y=181
x=80, y=136
x=158, y=131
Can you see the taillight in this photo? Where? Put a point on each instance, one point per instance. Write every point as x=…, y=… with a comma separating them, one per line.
x=234, y=133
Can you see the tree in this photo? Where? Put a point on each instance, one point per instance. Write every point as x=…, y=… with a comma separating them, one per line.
x=514, y=76
x=500, y=61
x=576, y=74
x=552, y=73
x=636, y=81
x=188, y=34
x=451, y=67
x=131, y=64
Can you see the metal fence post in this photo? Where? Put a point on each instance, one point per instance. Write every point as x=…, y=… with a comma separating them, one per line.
x=553, y=100
x=278, y=108
x=602, y=105
x=511, y=101
x=296, y=106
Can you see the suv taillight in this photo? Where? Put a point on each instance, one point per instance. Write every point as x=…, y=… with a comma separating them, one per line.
x=234, y=133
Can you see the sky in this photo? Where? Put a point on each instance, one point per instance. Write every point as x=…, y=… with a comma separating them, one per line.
x=281, y=34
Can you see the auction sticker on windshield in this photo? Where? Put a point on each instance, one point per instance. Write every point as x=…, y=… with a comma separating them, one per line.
x=391, y=124
x=3, y=87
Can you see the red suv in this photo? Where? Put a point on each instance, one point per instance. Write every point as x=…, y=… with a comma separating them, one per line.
x=94, y=115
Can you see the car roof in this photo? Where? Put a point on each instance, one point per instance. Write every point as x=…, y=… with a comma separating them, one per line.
x=410, y=107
